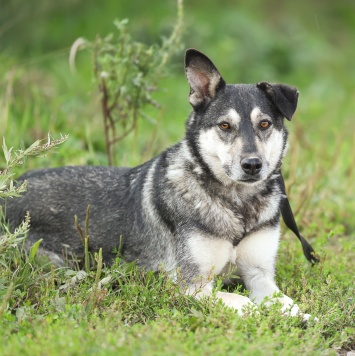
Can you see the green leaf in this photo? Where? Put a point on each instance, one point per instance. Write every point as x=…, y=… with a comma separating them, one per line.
x=33, y=146
x=33, y=250
x=7, y=153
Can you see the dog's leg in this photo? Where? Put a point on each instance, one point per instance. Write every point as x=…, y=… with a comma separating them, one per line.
x=208, y=257
x=256, y=256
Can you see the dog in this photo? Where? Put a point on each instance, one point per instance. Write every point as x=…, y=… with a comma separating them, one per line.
x=211, y=200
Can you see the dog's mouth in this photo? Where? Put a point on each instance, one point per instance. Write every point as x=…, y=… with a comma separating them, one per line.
x=251, y=179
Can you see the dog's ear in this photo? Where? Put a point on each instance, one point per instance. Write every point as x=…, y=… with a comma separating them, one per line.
x=283, y=96
x=203, y=77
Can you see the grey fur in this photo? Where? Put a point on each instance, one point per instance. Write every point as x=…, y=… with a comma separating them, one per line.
x=158, y=206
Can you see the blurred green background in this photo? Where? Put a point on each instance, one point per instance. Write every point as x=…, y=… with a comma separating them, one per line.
x=308, y=44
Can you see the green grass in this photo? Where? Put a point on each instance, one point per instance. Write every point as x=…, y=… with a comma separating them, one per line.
x=305, y=44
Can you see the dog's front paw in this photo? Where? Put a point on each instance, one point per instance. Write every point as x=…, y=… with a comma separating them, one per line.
x=295, y=311
x=308, y=317
x=289, y=308
x=236, y=301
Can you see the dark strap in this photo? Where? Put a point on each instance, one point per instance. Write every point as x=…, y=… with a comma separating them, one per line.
x=290, y=222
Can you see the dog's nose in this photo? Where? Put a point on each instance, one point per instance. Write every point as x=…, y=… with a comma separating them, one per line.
x=251, y=165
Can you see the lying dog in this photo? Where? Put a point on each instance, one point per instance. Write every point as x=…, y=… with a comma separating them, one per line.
x=208, y=201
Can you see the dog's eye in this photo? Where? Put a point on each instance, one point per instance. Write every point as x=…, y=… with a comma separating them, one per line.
x=264, y=124
x=224, y=126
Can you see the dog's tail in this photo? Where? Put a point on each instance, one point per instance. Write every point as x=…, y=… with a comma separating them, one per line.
x=290, y=222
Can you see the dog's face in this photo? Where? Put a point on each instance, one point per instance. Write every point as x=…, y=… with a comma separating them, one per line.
x=237, y=131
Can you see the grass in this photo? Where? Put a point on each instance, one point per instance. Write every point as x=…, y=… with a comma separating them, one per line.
x=137, y=312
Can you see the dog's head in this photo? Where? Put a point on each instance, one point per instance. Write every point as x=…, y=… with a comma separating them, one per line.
x=236, y=131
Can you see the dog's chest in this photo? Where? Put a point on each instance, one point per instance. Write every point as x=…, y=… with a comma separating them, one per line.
x=233, y=216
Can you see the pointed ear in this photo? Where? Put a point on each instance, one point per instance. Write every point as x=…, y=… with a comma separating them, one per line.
x=283, y=96
x=203, y=77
